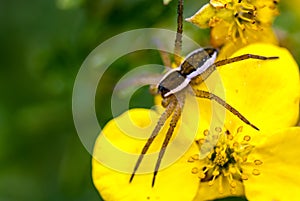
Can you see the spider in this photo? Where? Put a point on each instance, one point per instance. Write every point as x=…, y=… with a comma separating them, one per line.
x=198, y=65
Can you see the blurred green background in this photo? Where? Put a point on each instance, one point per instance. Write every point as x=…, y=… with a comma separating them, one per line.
x=43, y=44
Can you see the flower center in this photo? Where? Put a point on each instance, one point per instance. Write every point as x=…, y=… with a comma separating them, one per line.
x=243, y=15
x=223, y=158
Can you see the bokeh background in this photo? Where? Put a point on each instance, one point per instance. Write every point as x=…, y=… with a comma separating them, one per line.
x=43, y=44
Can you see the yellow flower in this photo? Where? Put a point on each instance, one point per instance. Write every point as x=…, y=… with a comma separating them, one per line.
x=236, y=23
x=232, y=159
x=261, y=167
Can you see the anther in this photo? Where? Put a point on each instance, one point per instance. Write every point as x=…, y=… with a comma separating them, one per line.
x=206, y=132
x=211, y=182
x=240, y=129
x=195, y=157
x=216, y=173
x=195, y=170
x=235, y=144
x=258, y=162
x=247, y=138
x=218, y=129
x=190, y=160
x=244, y=177
x=233, y=184
x=201, y=175
x=201, y=141
x=230, y=137
x=256, y=172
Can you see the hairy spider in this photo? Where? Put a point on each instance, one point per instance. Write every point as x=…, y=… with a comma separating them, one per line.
x=199, y=65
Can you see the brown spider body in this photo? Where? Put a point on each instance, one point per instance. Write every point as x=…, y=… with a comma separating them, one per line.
x=196, y=63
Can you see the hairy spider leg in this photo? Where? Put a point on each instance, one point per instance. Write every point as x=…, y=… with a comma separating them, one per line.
x=175, y=118
x=211, y=96
x=203, y=76
x=242, y=57
x=163, y=118
x=178, y=40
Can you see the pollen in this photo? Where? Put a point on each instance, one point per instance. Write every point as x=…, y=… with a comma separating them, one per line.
x=224, y=162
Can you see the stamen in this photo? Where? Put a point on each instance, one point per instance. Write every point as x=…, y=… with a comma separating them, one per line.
x=258, y=162
x=240, y=129
x=240, y=31
x=230, y=137
x=195, y=157
x=226, y=159
x=244, y=177
x=233, y=184
x=256, y=172
x=201, y=175
x=204, y=171
x=248, y=6
x=247, y=138
x=195, y=170
x=218, y=129
x=211, y=182
x=201, y=141
x=242, y=17
x=206, y=132
x=191, y=160
x=221, y=189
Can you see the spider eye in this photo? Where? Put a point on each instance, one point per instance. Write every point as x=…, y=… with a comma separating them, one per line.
x=162, y=90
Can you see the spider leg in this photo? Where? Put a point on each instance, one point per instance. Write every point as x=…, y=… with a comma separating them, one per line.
x=163, y=118
x=213, y=67
x=242, y=57
x=174, y=120
x=211, y=96
x=178, y=40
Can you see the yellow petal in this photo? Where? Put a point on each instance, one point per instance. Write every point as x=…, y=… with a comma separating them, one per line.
x=279, y=177
x=207, y=192
x=116, y=151
x=265, y=92
x=218, y=36
x=203, y=16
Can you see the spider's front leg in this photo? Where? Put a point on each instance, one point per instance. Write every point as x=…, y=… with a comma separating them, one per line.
x=243, y=57
x=211, y=96
x=204, y=75
x=175, y=118
x=172, y=103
